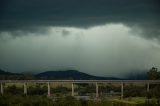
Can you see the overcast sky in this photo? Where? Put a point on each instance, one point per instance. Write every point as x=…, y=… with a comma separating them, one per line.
x=99, y=37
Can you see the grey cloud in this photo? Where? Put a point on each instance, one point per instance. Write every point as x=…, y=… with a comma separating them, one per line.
x=93, y=52
x=65, y=33
x=36, y=14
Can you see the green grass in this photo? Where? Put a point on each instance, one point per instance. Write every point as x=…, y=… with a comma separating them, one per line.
x=136, y=99
x=52, y=85
x=19, y=85
x=124, y=101
x=133, y=100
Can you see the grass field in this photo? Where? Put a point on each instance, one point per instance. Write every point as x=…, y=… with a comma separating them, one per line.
x=52, y=85
x=134, y=100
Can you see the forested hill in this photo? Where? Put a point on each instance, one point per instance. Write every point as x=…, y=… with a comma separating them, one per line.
x=4, y=75
x=66, y=75
x=54, y=75
x=70, y=74
x=2, y=72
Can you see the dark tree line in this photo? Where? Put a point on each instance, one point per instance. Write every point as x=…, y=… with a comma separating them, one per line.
x=154, y=74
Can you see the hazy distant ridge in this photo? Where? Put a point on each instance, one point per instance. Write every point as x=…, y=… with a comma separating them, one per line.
x=54, y=75
x=65, y=75
x=70, y=74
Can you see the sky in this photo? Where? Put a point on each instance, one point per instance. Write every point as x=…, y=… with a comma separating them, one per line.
x=98, y=37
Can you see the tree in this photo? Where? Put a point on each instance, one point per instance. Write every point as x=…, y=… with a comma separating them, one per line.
x=153, y=74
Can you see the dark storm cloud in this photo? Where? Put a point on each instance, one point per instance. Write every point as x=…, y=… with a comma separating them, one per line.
x=34, y=14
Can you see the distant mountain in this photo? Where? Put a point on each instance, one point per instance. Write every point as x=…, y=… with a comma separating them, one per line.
x=2, y=72
x=4, y=75
x=70, y=74
x=53, y=75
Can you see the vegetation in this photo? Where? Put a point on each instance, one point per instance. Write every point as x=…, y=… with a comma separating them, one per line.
x=154, y=74
x=40, y=100
x=134, y=94
x=22, y=100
